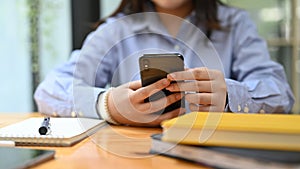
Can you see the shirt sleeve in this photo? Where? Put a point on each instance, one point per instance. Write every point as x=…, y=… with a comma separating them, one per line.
x=73, y=88
x=257, y=84
x=54, y=96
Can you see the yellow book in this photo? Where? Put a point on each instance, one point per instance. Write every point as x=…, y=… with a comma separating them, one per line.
x=262, y=131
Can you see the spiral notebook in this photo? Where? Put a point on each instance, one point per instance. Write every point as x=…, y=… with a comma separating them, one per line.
x=64, y=131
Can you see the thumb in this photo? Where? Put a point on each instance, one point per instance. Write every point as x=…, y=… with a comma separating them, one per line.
x=134, y=85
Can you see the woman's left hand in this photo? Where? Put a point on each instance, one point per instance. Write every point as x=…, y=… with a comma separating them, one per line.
x=205, y=88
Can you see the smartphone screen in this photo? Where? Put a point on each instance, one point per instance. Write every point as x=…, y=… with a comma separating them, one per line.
x=154, y=67
x=13, y=157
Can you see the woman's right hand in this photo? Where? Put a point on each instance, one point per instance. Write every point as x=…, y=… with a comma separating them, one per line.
x=126, y=104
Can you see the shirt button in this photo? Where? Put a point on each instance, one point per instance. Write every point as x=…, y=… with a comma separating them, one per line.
x=239, y=108
x=80, y=114
x=246, y=109
x=73, y=114
x=177, y=47
x=262, y=111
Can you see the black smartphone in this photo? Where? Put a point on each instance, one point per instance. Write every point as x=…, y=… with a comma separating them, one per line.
x=154, y=67
x=19, y=158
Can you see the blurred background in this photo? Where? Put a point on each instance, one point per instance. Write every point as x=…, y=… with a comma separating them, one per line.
x=38, y=35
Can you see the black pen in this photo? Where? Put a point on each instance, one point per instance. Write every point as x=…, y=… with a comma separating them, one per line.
x=45, y=126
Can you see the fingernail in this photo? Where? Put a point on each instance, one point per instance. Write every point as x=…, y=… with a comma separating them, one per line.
x=172, y=76
x=165, y=82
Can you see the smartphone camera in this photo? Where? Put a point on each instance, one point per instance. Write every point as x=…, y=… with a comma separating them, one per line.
x=146, y=63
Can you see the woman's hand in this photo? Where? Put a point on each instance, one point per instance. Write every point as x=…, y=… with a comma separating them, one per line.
x=126, y=104
x=206, y=89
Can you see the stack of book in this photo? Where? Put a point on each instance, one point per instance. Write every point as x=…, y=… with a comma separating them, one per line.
x=230, y=140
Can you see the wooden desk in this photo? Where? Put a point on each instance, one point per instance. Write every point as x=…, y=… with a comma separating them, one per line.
x=111, y=147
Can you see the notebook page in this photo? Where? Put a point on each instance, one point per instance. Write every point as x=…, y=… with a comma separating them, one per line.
x=60, y=127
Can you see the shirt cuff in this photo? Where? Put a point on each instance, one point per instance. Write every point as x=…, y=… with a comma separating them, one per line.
x=102, y=107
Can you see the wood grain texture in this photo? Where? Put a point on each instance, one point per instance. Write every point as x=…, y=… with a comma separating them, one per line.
x=117, y=147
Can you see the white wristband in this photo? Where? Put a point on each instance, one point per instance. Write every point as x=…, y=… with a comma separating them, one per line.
x=103, y=107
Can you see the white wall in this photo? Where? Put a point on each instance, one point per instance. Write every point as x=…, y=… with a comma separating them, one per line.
x=15, y=70
x=108, y=6
x=55, y=43
x=56, y=35
x=15, y=87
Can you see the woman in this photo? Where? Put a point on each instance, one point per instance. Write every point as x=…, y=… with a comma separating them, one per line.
x=248, y=81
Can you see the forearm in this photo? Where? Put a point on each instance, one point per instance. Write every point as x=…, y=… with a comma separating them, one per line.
x=63, y=99
x=53, y=104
